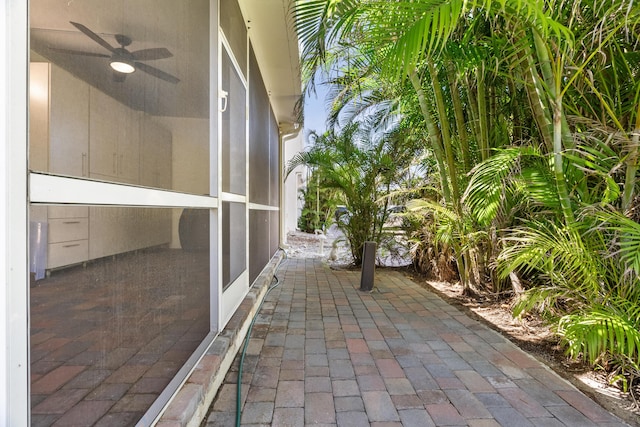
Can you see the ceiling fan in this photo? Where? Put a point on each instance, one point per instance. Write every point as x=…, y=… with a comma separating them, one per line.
x=121, y=60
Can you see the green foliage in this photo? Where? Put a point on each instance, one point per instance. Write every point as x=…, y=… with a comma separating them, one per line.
x=602, y=329
x=539, y=103
x=319, y=203
x=591, y=288
x=494, y=184
x=360, y=168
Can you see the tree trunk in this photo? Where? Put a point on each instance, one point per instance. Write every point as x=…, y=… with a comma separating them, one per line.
x=538, y=108
x=516, y=135
x=551, y=81
x=483, y=119
x=632, y=166
x=558, y=167
x=461, y=125
x=515, y=283
x=434, y=135
x=446, y=137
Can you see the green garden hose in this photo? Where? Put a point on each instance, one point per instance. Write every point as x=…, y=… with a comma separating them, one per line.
x=246, y=344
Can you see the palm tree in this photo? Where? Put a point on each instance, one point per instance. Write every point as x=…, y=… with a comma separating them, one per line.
x=362, y=164
x=404, y=41
x=541, y=106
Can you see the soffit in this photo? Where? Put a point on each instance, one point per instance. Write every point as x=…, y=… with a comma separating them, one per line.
x=275, y=44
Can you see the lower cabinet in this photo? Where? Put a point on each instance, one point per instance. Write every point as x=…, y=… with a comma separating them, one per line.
x=67, y=253
x=80, y=234
x=81, y=131
x=68, y=241
x=118, y=230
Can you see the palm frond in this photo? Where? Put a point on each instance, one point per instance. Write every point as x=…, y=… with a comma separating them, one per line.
x=558, y=252
x=627, y=237
x=486, y=190
x=599, y=330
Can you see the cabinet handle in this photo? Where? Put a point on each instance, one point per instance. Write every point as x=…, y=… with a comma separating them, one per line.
x=71, y=222
x=84, y=164
x=71, y=246
x=115, y=160
x=120, y=167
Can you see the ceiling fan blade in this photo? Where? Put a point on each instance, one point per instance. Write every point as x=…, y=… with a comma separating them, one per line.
x=93, y=36
x=78, y=52
x=150, y=54
x=157, y=73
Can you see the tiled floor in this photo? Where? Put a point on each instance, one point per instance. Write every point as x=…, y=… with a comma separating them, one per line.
x=107, y=338
x=324, y=353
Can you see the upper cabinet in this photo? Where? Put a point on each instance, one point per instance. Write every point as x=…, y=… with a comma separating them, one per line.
x=78, y=130
x=155, y=152
x=39, y=116
x=114, y=139
x=69, y=124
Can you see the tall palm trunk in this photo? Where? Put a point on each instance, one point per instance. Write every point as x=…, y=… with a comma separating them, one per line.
x=558, y=166
x=463, y=257
x=561, y=136
x=632, y=166
x=472, y=92
x=550, y=82
x=516, y=133
x=461, y=126
x=446, y=136
x=483, y=114
x=538, y=107
x=434, y=135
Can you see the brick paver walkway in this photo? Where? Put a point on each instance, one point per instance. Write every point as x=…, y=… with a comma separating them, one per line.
x=324, y=353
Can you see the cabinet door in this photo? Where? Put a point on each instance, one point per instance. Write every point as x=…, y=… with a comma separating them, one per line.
x=114, y=139
x=104, y=132
x=155, y=155
x=68, y=124
x=128, y=149
x=164, y=162
x=110, y=231
x=39, y=116
x=67, y=253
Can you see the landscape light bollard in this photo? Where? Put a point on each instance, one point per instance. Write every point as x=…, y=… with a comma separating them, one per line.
x=368, y=266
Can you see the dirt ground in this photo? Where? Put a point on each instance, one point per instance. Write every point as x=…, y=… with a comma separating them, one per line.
x=529, y=333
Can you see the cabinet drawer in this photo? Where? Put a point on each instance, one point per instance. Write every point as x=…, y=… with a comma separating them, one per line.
x=68, y=229
x=68, y=211
x=67, y=253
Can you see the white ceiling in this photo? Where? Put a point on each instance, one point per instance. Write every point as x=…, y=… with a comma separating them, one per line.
x=181, y=26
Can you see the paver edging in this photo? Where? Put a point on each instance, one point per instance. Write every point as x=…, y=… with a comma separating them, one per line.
x=190, y=404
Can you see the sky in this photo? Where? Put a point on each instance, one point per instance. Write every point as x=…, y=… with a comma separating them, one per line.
x=315, y=114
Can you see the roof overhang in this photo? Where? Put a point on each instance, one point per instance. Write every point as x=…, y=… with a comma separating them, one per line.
x=275, y=43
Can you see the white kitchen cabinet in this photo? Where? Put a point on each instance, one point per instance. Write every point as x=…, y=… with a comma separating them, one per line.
x=68, y=124
x=77, y=130
x=109, y=230
x=155, y=155
x=67, y=253
x=114, y=139
x=117, y=230
x=68, y=238
x=39, y=116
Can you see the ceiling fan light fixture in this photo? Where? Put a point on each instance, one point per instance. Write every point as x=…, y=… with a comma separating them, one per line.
x=121, y=65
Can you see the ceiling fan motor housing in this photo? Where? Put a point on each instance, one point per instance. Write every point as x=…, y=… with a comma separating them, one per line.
x=123, y=40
